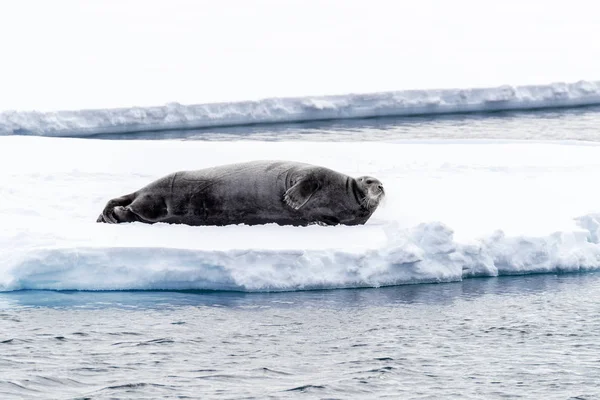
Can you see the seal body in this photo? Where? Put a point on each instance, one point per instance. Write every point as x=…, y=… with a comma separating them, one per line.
x=258, y=192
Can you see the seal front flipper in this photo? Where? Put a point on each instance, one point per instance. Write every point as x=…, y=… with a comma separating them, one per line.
x=299, y=194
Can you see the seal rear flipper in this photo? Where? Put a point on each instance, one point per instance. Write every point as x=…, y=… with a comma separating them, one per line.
x=299, y=194
x=108, y=214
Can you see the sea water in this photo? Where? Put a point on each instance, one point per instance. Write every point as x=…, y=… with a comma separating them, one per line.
x=510, y=337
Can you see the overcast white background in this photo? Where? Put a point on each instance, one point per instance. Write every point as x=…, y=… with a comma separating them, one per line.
x=74, y=54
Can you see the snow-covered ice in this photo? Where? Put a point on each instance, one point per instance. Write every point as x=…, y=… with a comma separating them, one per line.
x=82, y=123
x=453, y=210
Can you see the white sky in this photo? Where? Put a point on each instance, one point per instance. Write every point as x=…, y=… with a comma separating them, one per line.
x=74, y=54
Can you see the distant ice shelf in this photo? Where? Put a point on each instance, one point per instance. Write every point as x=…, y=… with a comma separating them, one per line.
x=174, y=116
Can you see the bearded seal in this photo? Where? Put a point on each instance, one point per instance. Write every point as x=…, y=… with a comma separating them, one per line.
x=252, y=193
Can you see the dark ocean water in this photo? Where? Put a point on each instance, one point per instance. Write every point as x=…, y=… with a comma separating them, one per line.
x=526, y=336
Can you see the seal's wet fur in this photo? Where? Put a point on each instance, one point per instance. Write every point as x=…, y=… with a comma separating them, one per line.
x=257, y=192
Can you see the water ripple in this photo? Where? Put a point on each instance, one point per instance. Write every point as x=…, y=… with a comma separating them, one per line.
x=529, y=337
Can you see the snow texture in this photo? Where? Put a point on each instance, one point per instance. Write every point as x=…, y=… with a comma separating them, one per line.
x=453, y=211
x=174, y=116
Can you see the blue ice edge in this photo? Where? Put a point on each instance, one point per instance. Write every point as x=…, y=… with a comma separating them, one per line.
x=426, y=253
x=174, y=116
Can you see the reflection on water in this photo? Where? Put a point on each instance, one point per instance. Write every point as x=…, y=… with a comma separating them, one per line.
x=428, y=294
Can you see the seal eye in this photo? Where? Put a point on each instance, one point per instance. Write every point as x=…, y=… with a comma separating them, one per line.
x=369, y=181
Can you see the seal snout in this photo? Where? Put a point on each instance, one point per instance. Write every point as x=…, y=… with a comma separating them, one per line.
x=376, y=191
x=373, y=190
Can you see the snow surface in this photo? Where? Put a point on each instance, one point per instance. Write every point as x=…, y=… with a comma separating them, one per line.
x=83, y=123
x=453, y=210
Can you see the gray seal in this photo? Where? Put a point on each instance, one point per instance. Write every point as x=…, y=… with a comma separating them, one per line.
x=252, y=193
